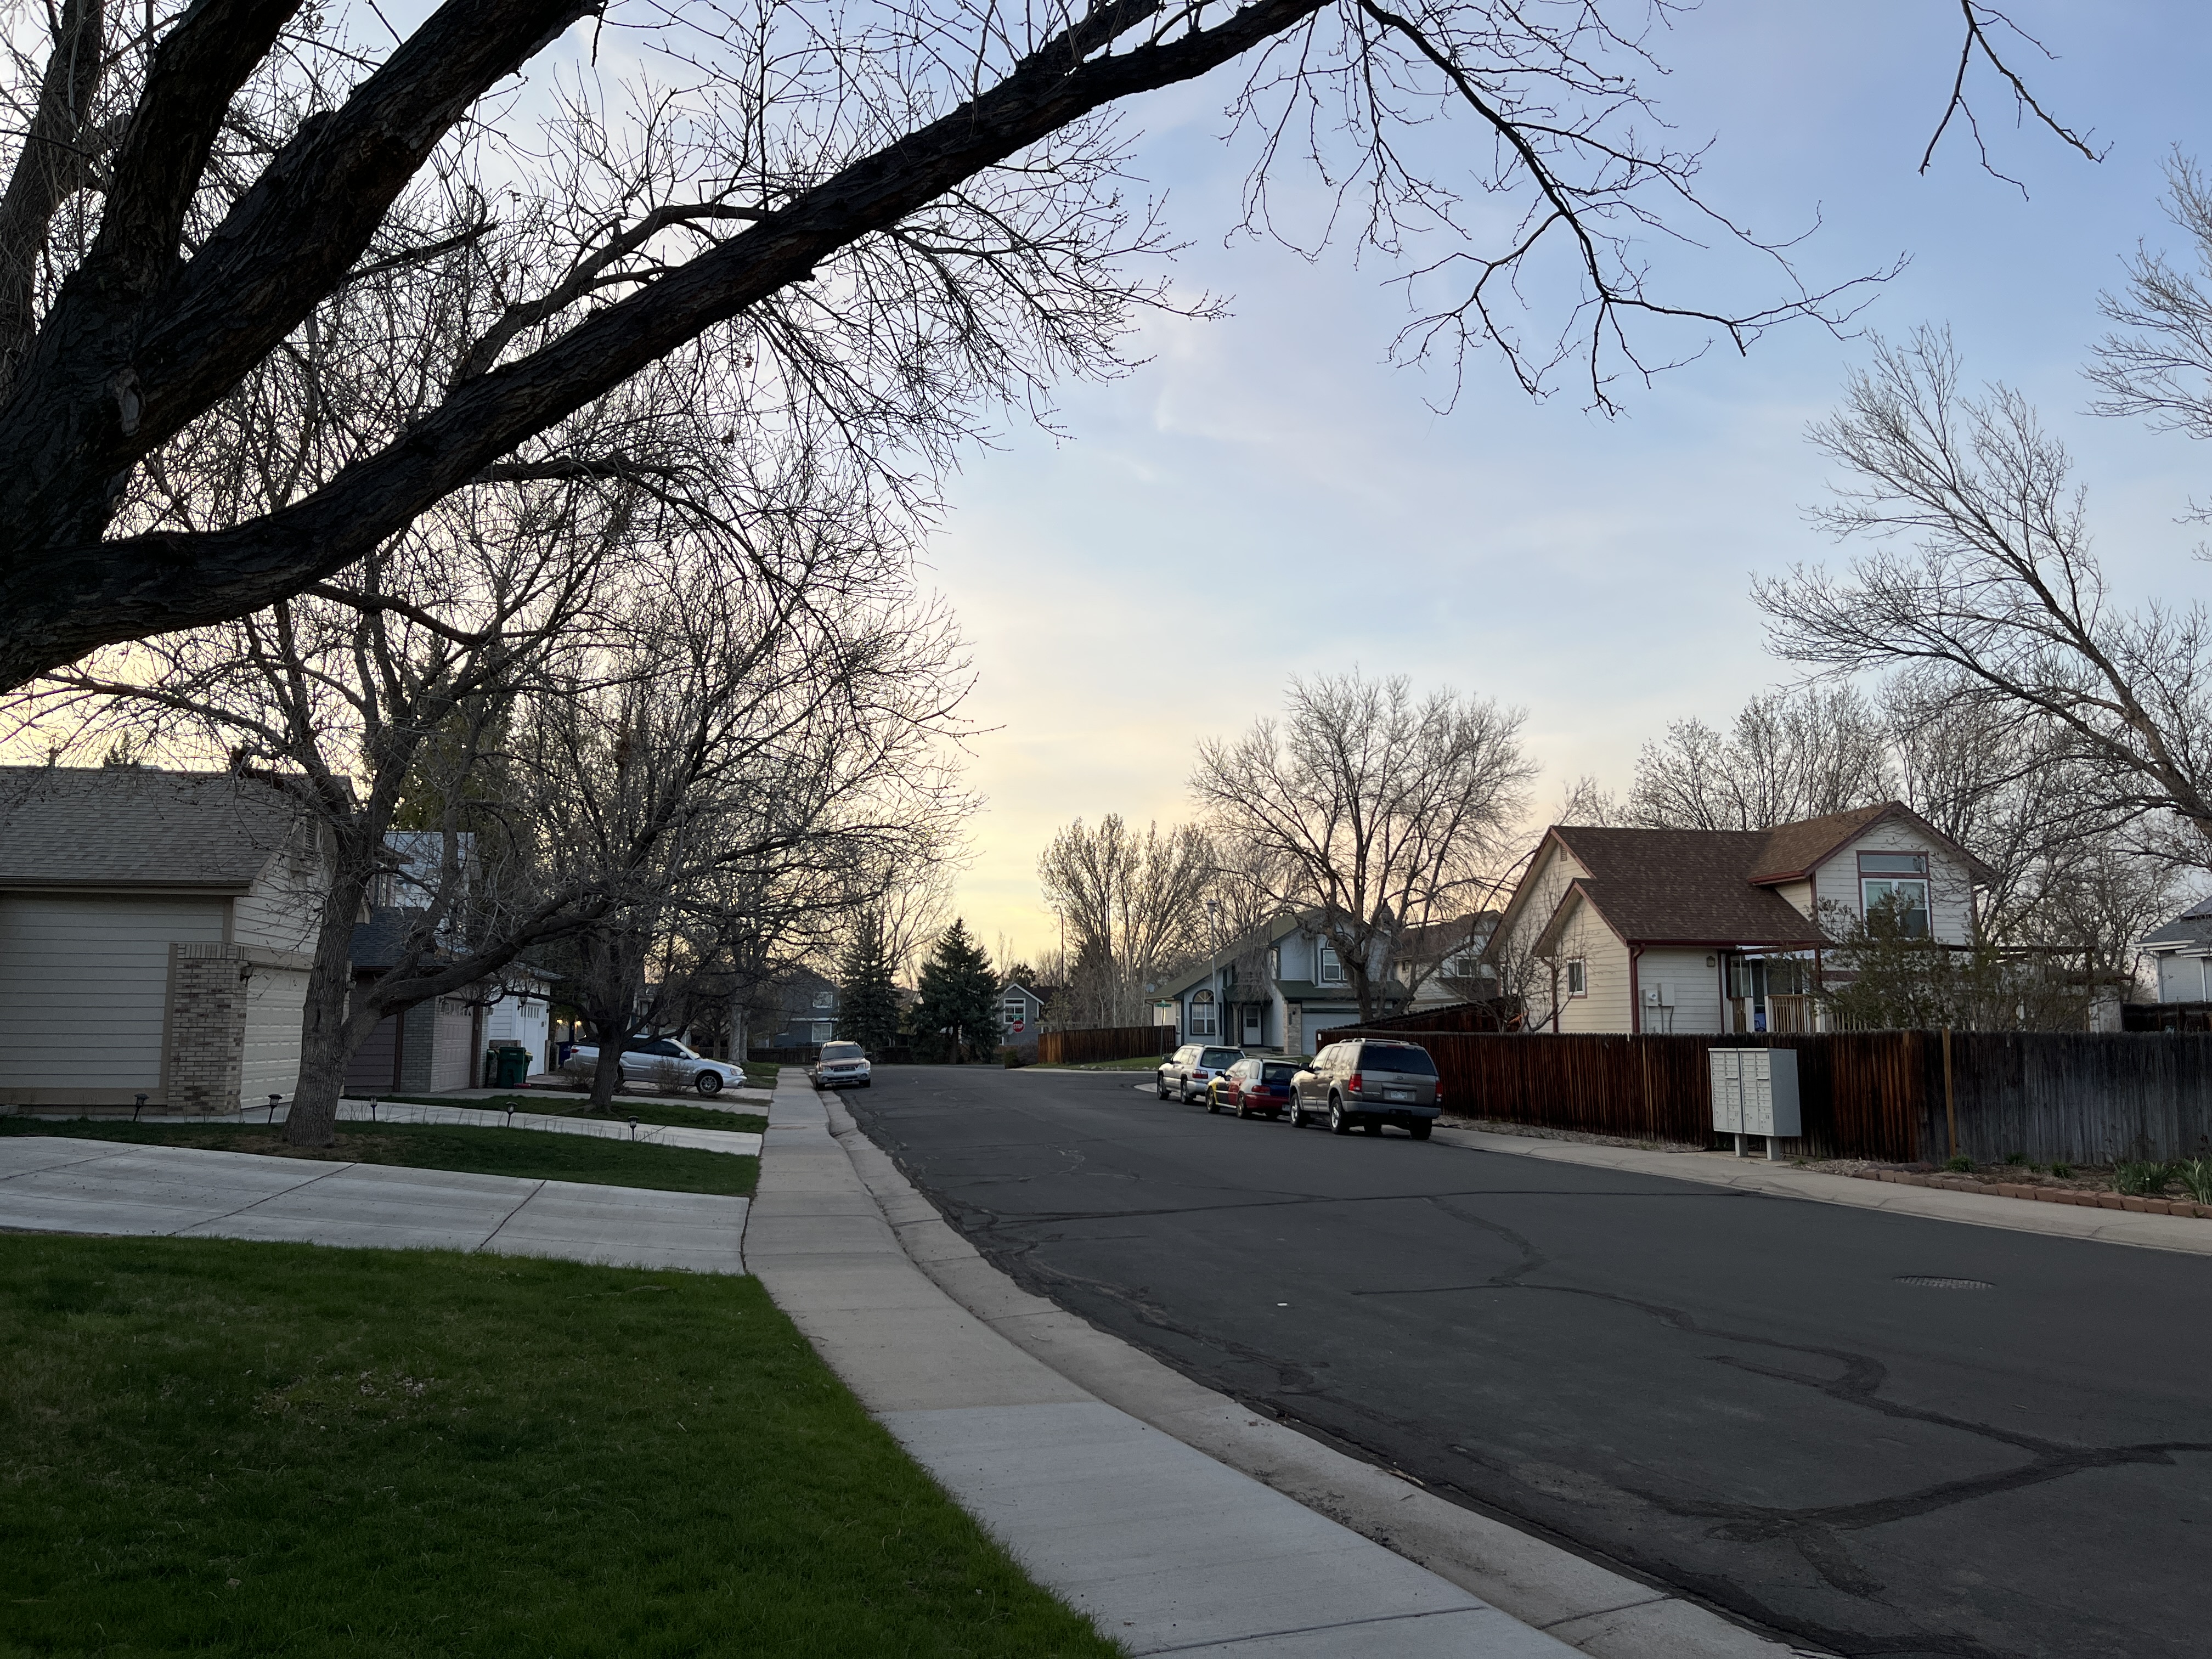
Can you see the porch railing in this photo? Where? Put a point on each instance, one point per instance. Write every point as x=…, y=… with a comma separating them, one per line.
x=1784, y=1013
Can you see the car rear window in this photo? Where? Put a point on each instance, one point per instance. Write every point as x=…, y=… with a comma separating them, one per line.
x=1278, y=1073
x=1221, y=1057
x=1415, y=1061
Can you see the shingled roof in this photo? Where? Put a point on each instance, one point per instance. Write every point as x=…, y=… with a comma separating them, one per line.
x=1684, y=886
x=1794, y=849
x=2193, y=927
x=130, y=826
x=1718, y=886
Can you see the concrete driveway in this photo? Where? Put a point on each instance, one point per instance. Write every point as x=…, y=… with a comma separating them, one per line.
x=1875, y=1433
x=56, y=1184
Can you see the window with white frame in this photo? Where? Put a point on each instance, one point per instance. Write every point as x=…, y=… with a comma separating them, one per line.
x=1578, y=977
x=1898, y=883
x=1201, y=1014
x=825, y=1030
x=824, y=998
x=1017, y=1011
x=1332, y=966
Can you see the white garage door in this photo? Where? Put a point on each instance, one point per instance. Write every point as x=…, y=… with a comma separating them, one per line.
x=453, y=1054
x=274, y=1000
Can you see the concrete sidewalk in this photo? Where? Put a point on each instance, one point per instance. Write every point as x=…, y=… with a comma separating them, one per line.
x=53, y=1183
x=744, y=1143
x=2184, y=1234
x=1167, y=1549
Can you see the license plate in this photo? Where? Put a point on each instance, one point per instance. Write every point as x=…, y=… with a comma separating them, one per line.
x=1397, y=1094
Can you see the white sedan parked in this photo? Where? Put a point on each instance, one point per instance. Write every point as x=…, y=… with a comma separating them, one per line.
x=664, y=1060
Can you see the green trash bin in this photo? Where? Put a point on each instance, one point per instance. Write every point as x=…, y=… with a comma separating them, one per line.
x=514, y=1066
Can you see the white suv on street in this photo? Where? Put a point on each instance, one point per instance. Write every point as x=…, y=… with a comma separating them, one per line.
x=1188, y=1074
x=840, y=1066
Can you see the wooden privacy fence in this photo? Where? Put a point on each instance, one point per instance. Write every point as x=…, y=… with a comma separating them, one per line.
x=1110, y=1042
x=2075, y=1097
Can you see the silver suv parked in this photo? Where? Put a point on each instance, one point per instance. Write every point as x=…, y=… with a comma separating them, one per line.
x=1188, y=1074
x=1370, y=1083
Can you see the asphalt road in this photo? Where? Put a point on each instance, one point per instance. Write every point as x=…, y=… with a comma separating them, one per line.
x=1745, y=1398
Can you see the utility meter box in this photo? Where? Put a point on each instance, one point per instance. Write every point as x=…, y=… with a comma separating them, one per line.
x=1755, y=1091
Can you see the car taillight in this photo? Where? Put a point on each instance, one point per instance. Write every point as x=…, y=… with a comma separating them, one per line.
x=1352, y=1083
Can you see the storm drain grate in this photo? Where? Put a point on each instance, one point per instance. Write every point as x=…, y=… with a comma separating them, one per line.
x=1937, y=1282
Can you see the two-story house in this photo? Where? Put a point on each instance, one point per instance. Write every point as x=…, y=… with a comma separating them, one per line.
x=1272, y=989
x=806, y=1003
x=1021, y=1011
x=1717, y=930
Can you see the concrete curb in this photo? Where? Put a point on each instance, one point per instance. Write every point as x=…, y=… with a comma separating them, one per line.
x=1166, y=1549
x=2100, y=1223
x=1574, y=1601
x=2044, y=1194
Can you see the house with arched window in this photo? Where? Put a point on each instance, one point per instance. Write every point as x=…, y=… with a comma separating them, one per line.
x=1269, y=991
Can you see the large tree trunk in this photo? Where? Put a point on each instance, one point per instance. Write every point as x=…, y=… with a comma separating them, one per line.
x=611, y=1036
x=328, y=1033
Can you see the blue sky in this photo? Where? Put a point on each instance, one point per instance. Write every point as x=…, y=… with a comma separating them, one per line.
x=1268, y=496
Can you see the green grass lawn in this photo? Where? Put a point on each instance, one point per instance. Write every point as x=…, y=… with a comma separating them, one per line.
x=222, y=1447
x=560, y=1105
x=532, y=1154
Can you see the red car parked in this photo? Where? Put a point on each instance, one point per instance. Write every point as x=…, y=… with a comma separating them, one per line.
x=1253, y=1087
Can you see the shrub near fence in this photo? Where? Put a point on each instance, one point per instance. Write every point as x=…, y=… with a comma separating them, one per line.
x=1110, y=1042
x=2075, y=1097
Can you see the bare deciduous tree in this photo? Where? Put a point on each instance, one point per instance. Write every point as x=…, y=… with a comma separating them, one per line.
x=731, y=776
x=868, y=210
x=1998, y=591
x=1381, y=811
x=1791, y=755
x=1133, y=908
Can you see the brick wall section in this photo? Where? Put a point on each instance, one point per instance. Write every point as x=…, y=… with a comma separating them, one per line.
x=207, y=1027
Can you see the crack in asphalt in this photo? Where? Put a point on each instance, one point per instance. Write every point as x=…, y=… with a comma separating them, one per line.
x=1816, y=1534
x=1813, y=1529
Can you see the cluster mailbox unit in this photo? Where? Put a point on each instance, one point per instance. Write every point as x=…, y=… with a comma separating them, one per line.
x=1755, y=1093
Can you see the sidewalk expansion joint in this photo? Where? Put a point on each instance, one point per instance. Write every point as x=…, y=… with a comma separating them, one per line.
x=484, y=1243
x=115, y=1149
x=1219, y=1642
x=281, y=1192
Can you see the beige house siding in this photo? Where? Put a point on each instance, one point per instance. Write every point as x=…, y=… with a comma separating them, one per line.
x=1695, y=988
x=1535, y=902
x=1605, y=1003
x=281, y=911
x=1950, y=890
x=84, y=989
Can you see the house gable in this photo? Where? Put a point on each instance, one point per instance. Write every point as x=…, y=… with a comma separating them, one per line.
x=1835, y=882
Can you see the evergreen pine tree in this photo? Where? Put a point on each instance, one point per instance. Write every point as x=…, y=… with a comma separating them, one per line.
x=959, y=992
x=868, y=1004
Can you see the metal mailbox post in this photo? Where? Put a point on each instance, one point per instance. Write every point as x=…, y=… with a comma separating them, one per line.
x=1755, y=1093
